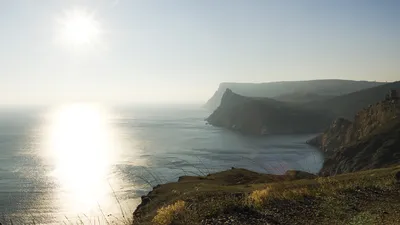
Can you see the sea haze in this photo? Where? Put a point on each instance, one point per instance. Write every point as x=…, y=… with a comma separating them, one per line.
x=71, y=162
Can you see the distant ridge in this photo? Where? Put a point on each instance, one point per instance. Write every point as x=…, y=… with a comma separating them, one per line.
x=302, y=97
x=329, y=87
x=349, y=104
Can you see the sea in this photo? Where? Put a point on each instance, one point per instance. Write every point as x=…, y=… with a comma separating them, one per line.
x=86, y=163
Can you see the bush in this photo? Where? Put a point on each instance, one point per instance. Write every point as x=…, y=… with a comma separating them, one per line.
x=165, y=215
x=258, y=197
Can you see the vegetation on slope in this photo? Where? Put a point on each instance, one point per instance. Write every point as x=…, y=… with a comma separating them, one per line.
x=239, y=196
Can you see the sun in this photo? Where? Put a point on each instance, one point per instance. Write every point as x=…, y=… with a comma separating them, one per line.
x=79, y=27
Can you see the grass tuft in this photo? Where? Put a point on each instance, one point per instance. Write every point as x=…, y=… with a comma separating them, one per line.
x=165, y=215
x=257, y=198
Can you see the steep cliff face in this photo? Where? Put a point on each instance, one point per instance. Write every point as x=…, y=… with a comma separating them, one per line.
x=265, y=116
x=333, y=137
x=371, y=141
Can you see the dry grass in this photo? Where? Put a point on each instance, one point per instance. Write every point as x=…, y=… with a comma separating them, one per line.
x=258, y=197
x=316, y=200
x=321, y=186
x=165, y=215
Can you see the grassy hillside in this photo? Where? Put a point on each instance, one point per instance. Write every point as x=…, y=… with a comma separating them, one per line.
x=239, y=196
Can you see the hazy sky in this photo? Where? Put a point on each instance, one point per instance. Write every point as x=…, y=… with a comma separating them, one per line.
x=169, y=50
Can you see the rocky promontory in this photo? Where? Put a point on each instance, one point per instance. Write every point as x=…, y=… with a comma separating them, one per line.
x=260, y=116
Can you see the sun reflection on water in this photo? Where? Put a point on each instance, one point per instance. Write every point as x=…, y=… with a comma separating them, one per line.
x=81, y=146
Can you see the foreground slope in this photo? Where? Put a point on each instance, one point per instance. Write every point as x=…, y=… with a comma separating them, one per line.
x=371, y=141
x=266, y=116
x=240, y=197
x=275, y=89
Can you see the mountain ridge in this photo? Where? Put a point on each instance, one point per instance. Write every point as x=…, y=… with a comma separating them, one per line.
x=257, y=115
x=349, y=104
x=332, y=87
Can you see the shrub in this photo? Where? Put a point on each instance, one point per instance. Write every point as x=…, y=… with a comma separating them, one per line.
x=165, y=215
x=258, y=197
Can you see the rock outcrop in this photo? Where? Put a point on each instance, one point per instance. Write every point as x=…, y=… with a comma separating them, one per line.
x=333, y=137
x=260, y=116
x=372, y=140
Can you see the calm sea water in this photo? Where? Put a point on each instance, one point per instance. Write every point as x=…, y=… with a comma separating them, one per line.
x=89, y=163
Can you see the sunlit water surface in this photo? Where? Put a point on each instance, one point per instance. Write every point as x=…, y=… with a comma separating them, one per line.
x=89, y=163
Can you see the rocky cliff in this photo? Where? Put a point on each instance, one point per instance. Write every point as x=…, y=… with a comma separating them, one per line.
x=265, y=116
x=332, y=137
x=372, y=140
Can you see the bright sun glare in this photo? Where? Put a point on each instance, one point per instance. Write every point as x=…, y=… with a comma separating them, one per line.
x=80, y=143
x=79, y=27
